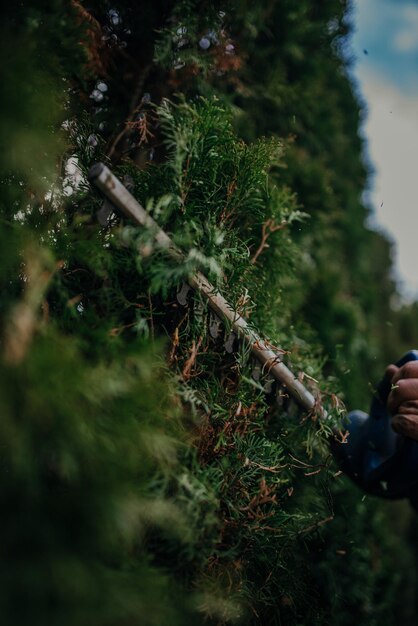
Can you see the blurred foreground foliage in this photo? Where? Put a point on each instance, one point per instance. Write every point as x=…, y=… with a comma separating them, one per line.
x=146, y=476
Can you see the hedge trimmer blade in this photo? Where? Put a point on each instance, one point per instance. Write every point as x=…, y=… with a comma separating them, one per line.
x=268, y=356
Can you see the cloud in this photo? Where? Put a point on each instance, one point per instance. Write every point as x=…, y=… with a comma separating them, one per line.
x=405, y=40
x=410, y=12
x=388, y=30
x=391, y=129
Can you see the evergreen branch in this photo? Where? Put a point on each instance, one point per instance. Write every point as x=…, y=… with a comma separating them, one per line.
x=316, y=525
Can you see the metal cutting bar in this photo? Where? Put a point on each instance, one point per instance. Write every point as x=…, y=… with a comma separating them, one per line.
x=101, y=176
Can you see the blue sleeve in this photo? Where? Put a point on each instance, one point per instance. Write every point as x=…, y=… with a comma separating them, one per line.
x=376, y=458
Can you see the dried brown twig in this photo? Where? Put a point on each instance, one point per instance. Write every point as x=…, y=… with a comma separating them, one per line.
x=190, y=363
x=268, y=228
x=141, y=125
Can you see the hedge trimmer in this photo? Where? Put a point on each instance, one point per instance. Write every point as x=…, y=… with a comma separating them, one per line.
x=379, y=460
x=267, y=355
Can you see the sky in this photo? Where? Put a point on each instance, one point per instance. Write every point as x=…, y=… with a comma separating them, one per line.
x=385, y=47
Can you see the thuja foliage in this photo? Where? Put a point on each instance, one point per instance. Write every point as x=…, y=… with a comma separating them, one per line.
x=147, y=474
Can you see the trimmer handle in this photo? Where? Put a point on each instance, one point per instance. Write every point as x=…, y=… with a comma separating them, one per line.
x=379, y=460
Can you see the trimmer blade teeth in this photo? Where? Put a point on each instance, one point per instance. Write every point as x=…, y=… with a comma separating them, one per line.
x=269, y=386
x=104, y=213
x=129, y=183
x=256, y=373
x=215, y=325
x=281, y=397
x=183, y=293
x=229, y=343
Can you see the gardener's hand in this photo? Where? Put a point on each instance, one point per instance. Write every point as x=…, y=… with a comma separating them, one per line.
x=403, y=398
